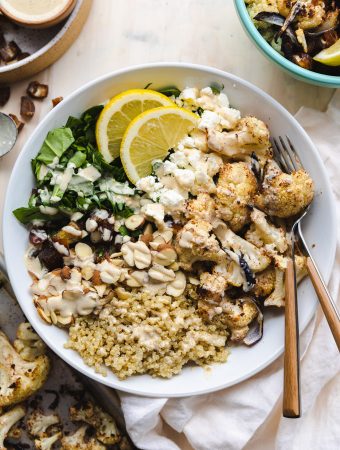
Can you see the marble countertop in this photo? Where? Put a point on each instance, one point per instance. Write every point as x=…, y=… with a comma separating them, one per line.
x=126, y=32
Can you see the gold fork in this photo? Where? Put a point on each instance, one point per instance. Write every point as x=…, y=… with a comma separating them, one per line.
x=287, y=157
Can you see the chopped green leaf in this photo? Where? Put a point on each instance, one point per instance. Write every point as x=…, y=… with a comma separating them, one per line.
x=78, y=159
x=170, y=91
x=55, y=144
x=123, y=230
x=148, y=85
x=27, y=215
x=217, y=88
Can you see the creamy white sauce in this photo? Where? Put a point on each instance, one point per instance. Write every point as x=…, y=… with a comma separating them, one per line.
x=34, y=10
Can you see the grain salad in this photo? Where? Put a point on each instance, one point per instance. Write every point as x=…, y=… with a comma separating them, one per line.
x=159, y=230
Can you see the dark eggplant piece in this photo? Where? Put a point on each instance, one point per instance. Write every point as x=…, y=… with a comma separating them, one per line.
x=271, y=18
x=50, y=257
x=250, y=277
x=330, y=23
x=256, y=168
x=255, y=332
x=291, y=17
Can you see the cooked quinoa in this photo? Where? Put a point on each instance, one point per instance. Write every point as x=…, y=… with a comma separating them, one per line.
x=143, y=333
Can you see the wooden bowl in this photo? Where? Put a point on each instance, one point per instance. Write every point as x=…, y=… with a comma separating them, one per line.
x=42, y=22
x=45, y=46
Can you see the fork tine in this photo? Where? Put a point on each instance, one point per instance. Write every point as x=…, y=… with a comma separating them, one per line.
x=278, y=156
x=286, y=156
x=297, y=160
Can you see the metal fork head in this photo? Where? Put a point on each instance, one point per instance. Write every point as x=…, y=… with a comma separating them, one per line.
x=288, y=159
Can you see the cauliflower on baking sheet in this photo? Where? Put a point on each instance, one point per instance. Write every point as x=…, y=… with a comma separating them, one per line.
x=236, y=187
x=284, y=195
x=19, y=378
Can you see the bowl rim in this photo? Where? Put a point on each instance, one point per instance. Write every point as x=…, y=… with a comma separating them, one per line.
x=7, y=210
x=322, y=79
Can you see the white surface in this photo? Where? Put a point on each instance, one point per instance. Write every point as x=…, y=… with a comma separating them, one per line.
x=124, y=32
x=319, y=226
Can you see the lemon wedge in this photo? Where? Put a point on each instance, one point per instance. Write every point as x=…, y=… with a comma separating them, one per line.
x=151, y=135
x=329, y=56
x=118, y=113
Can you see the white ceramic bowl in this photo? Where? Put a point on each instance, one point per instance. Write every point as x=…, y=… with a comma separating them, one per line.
x=320, y=226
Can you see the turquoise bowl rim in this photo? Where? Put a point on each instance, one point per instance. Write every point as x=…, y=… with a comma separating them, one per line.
x=296, y=71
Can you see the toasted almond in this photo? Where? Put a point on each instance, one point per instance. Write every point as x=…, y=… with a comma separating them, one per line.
x=165, y=234
x=122, y=294
x=158, y=240
x=165, y=255
x=137, y=278
x=134, y=222
x=83, y=251
x=160, y=273
x=177, y=286
x=87, y=272
x=96, y=280
x=42, y=314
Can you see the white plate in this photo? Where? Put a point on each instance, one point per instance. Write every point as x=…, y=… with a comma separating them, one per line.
x=320, y=226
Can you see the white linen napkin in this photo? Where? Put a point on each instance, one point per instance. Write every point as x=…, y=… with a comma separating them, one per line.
x=248, y=415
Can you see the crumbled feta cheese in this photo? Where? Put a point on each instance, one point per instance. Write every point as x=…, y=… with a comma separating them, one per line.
x=229, y=117
x=155, y=212
x=148, y=184
x=91, y=225
x=76, y=216
x=208, y=120
x=48, y=210
x=171, y=198
x=184, y=177
x=222, y=100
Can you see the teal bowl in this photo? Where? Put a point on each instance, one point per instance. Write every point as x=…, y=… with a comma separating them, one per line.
x=297, y=72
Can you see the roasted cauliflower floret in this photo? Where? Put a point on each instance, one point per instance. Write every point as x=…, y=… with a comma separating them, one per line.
x=47, y=442
x=254, y=7
x=79, y=441
x=265, y=282
x=263, y=233
x=106, y=428
x=250, y=136
x=214, y=283
x=277, y=297
x=37, y=423
x=284, y=195
x=311, y=14
x=28, y=344
x=238, y=315
x=202, y=207
x=8, y=420
x=236, y=187
x=236, y=245
x=196, y=242
x=19, y=378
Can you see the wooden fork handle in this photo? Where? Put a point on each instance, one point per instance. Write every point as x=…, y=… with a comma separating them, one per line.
x=325, y=301
x=291, y=382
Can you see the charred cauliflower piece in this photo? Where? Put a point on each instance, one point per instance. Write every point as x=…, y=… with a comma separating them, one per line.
x=277, y=297
x=265, y=282
x=19, y=378
x=47, y=442
x=236, y=187
x=196, y=242
x=28, y=344
x=214, y=284
x=8, y=420
x=103, y=423
x=79, y=441
x=37, y=423
x=203, y=207
x=284, y=195
x=235, y=245
x=262, y=233
x=250, y=136
x=238, y=315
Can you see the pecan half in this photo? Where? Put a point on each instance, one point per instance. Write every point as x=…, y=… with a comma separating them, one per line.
x=5, y=92
x=9, y=51
x=27, y=108
x=17, y=122
x=37, y=90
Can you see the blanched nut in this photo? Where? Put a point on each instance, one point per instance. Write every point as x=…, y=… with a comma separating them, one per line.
x=177, y=286
x=165, y=255
x=134, y=222
x=137, y=278
x=136, y=254
x=83, y=251
x=87, y=273
x=160, y=273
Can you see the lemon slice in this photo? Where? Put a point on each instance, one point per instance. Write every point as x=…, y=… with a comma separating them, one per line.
x=118, y=113
x=151, y=135
x=330, y=56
